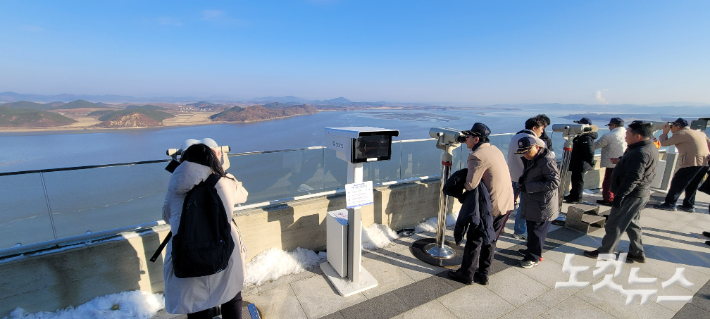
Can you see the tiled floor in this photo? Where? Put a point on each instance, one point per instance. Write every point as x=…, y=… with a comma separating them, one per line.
x=409, y=288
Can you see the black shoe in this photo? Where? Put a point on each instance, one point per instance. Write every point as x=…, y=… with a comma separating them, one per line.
x=572, y=200
x=634, y=258
x=686, y=209
x=706, y=234
x=591, y=253
x=707, y=243
x=480, y=278
x=603, y=202
x=457, y=276
x=665, y=206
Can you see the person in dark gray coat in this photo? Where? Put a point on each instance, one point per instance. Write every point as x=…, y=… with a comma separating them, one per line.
x=538, y=196
x=631, y=185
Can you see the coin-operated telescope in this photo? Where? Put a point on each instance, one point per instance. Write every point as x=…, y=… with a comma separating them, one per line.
x=569, y=132
x=221, y=151
x=438, y=252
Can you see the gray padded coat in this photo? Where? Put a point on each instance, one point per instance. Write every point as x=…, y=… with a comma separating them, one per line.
x=539, y=202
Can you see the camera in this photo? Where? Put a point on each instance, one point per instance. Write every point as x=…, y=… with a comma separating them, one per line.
x=447, y=135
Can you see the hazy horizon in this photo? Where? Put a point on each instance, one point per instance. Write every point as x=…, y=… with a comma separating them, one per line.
x=454, y=53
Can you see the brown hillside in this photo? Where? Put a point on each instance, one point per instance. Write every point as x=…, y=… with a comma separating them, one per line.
x=130, y=120
x=260, y=113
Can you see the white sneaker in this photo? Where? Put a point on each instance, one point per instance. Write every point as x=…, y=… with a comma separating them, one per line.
x=521, y=236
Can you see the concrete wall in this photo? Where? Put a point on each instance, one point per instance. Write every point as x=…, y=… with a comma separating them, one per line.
x=72, y=276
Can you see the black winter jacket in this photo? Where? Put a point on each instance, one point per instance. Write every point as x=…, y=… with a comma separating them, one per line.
x=635, y=171
x=582, y=158
x=541, y=179
x=475, y=211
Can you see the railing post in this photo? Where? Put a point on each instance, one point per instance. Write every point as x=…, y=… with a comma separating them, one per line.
x=49, y=207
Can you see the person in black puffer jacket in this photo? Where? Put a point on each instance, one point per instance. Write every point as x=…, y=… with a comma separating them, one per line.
x=581, y=161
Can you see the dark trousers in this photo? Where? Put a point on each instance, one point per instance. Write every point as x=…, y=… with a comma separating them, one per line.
x=626, y=219
x=688, y=179
x=477, y=255
x=607, y=195
x=230, y=310
x=577, y=184
x=537, y=234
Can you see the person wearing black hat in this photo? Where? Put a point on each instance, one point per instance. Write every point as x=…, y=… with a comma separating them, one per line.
x=538, y=196
x=613, y=145
x=581, y=161
x=631, y=184
x=693, y=150
x=486, y=164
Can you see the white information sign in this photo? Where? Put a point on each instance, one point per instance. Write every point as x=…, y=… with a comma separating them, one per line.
x=358, y=194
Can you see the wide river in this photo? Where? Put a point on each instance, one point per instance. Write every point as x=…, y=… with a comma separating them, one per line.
x=44, y=150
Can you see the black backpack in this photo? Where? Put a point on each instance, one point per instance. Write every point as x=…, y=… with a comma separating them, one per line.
x=204, y=242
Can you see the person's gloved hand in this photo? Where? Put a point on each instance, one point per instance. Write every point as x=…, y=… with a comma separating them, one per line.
x=617, y=201
x=522, y=188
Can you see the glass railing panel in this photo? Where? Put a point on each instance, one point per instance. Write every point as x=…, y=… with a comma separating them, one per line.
x=106, y=198
x=271, y=176
x=335, y=174
x=384, y=171
x=460, y=156
x=502, y=142
x=24, y=218
x=420, y=158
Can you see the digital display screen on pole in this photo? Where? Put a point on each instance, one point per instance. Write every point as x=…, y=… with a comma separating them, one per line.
x=372, y=147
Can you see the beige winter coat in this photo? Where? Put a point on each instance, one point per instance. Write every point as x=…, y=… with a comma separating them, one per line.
x=613, y=145
x=487, y=164
x=692, y=147
x=189, y=295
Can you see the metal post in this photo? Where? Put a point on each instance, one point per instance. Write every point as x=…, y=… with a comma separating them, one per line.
x=354, y=228
x=439, y=249
x=49, y=207
x=566, y=155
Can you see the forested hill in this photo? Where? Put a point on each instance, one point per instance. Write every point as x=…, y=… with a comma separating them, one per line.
x=262, y=113
x=11, y=117
x=78, y=104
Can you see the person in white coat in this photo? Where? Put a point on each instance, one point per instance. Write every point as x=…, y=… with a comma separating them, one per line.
x=613, y=145
x=198, y=295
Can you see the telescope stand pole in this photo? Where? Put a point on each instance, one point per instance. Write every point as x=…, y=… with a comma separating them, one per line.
x=566, y=155
x=439, y=249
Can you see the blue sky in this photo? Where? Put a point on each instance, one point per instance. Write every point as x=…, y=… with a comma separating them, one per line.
x=466, y=52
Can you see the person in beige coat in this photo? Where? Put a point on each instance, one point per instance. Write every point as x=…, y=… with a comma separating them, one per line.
x=693, y=150
x=196, y=296
x=486, y=164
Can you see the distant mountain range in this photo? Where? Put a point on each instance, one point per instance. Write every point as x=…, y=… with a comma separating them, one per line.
x=78, y=104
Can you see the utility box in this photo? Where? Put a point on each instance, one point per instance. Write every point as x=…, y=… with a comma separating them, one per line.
x=337, y=245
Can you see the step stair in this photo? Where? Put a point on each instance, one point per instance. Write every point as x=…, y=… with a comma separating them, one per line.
x=582, y=217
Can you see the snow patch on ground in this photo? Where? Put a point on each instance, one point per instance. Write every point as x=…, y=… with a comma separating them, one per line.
x=274, y=263
x=377, y=236
x=128, y=304
x=430, y=224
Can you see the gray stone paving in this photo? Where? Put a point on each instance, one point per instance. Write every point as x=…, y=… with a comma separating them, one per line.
x=409, y=288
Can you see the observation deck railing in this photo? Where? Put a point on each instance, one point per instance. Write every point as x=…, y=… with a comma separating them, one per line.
x=57, y=207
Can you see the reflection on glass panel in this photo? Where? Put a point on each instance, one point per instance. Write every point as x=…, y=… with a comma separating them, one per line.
x=502, y=142
x=106, y=198
x=420, y=158
x=384, y=171
x=460, y=155
x=271, y=176
x=24, y=218
x=335, y=174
